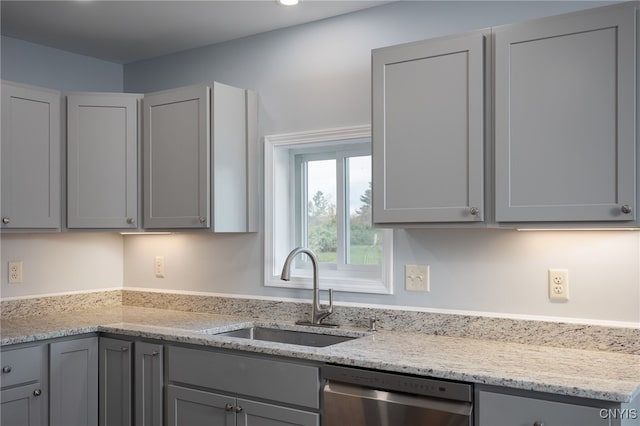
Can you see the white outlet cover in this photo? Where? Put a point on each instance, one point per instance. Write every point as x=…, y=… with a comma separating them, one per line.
x=558, y=282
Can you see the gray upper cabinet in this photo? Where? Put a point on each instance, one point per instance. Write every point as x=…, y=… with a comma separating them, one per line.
x=428, y=131
x=102, y=160
x=200, y=159
x=176, y=158
x=31, y=158
x=565, y=104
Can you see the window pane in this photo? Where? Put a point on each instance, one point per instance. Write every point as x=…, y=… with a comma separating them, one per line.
x=322, y=228
x=365, y=242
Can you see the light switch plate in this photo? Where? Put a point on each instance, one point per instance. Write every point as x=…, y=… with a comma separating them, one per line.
x=416, y=278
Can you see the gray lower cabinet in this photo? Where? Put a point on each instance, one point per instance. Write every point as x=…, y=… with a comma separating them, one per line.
x=131, y=383
x=565, y=102
x=73, y=382
x=31, y=158
x=219, y=388
x=24, y=391
x=102, y=160
x=428, y=131
x=521, y=408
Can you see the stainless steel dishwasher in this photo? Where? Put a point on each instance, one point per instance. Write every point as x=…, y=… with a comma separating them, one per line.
x=360, y=397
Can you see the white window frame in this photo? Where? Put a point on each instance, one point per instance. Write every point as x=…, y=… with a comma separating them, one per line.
x=280, y=210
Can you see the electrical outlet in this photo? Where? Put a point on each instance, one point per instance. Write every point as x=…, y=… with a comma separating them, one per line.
x=158, y=267
x=559, y=285
x=416, y=278
x=15, y=272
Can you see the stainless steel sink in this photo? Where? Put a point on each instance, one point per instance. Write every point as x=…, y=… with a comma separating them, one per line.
x=292, y=337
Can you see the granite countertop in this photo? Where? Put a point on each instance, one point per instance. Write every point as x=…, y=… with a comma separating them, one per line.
x=590, y=374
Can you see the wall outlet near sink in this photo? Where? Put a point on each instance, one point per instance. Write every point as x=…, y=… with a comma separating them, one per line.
x=15, y=272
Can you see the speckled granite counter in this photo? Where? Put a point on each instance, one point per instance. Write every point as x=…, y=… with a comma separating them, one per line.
x=582, y=373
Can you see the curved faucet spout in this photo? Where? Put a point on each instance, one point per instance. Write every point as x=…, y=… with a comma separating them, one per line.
x=317, y=312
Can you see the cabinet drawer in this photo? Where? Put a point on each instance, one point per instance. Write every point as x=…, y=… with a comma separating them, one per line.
x=276, y=380
x=22, y=365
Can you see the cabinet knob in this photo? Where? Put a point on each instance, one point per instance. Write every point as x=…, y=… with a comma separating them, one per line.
x=626, y=209
x=228, y=407
x=7, y=369
x=474, y=211
x=5, y=220
x=37, y=392
x=130, y=221
x=124, y=349
x=538, y=423
x=202, y=220
x=238, y=409
x=155, y=353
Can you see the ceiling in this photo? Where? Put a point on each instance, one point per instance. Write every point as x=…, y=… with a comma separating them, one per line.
x=132, y=30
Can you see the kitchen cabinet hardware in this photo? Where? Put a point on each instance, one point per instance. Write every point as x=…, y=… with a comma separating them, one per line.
x=626, y=209
x=228, y=407
x=202, y=220
x=37, y=392
x=538, y=424
x=130, y=221
x=6, y=369
x=5, y=220
x=155, y=353
x=474, y=211
x=237, y=409
x=124, y=349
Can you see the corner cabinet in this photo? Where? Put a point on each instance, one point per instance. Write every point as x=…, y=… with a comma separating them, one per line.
x=565, y=123
x=31, y=158
x=102, y=160
x=200, y=163
x=428, y=131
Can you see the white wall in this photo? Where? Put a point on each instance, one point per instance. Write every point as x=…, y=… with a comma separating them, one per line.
x=317, y=76
x=313, y=77
x=31, y=63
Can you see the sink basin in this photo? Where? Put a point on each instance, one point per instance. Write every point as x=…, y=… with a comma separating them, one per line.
x=292, y=337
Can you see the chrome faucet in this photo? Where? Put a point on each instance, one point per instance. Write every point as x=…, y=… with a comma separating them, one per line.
x=317, y=312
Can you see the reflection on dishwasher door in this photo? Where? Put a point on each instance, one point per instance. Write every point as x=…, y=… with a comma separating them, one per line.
x=365, y=404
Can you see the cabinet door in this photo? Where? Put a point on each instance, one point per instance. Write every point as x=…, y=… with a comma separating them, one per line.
x=22, y=406
x=115, y=380
x=73, y=381
x=148, y=384
x=31, y=157
x=176, y=158
x=564, y=118
x=102, y=161
x=253, y=413
x=496, y=409
x=428, y=131
x=190, y=407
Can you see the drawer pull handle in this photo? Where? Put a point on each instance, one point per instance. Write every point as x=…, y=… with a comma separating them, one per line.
x=238, y=409
x=7, y=369
x=228, y=407
x=37, y=392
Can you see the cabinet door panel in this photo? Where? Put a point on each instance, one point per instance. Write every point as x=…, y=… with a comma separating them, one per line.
x=428, y=131
x=22, y=406
x=565, y=138
x=260, y=414
x=115, y=382
x=31, y=156
x=176, y=158
x=74, y=383
x=102, y=156
x=148, y=384
x=190, y=407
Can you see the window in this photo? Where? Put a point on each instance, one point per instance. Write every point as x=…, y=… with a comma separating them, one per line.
x=318, y=195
